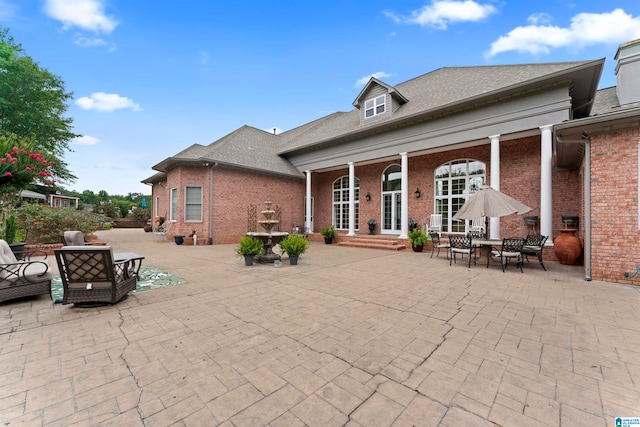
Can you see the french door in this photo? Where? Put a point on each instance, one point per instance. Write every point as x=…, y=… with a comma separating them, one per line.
x=391, y=208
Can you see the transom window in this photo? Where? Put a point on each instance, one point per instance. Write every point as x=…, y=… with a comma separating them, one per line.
x=455, y=182
x=375, y=106
x=341, y=203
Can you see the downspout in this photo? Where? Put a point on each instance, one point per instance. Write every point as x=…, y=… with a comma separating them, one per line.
x=587, y=210
x=587, y=199
x=211, y=203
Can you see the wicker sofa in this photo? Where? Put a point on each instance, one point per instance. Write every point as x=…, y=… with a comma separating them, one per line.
x=25, y=278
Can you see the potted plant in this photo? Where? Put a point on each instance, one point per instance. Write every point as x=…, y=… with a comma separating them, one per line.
x=294, y=245
x=179, y=239
x=10, y=232
x=418, y=239
x=329, y=233
x=248, y=248
x=372, y=225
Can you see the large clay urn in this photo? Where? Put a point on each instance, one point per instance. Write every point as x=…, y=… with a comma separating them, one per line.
x=567, y=246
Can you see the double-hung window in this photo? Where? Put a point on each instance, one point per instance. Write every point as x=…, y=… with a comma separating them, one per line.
x=375, y=106
x=193, y=204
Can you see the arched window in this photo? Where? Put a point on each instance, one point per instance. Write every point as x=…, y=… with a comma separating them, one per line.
x=454, y=183
x=341, y=203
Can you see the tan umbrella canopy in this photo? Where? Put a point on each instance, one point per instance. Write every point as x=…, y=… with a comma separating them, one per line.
x=489, y=202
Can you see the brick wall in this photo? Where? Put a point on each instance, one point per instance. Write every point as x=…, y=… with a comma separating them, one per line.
x=233, y=191
x=614, y=206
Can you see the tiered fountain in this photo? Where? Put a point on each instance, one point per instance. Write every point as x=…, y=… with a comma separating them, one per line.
x=269, y=238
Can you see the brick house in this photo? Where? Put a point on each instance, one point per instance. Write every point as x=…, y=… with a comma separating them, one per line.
x=541, y=133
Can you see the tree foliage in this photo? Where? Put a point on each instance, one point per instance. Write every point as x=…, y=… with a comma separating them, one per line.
x=33, y=103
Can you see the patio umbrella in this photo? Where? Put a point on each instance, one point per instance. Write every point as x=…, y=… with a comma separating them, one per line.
x=489, y=202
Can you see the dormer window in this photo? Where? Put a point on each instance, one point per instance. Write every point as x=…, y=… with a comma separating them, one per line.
x=375, y=106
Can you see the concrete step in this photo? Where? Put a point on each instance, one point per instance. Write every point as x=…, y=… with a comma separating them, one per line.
x=373, y=243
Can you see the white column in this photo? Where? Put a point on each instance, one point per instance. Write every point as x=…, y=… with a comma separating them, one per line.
x=352, y=201
x=546, y=164
x=307, y=202
x=404, y=197
x=495, y=182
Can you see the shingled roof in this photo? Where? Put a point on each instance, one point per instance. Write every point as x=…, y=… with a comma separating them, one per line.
x=438, y=92
x=446, y=89
x=246, y=147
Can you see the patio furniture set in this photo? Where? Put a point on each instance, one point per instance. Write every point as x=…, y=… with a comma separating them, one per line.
x=475, y=245
x=91, y=275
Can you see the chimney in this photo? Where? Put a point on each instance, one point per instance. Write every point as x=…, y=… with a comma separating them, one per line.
x=628, y=72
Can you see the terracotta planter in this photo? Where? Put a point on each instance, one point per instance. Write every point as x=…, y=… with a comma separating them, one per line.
x=567, y=246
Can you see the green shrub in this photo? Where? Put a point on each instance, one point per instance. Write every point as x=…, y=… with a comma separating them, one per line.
x=249, y=246
x=294, y=245
x=107, y=226
x=42, y=224
x=418, y=237
x=328, y=232
x=10, y=229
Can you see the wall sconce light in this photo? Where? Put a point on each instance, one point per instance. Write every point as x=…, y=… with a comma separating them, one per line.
x=368, y=197
x=417, y=193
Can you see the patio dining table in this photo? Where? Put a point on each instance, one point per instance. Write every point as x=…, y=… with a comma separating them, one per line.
x=485, y=248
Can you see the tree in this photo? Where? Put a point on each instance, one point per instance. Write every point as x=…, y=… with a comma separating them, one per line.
x=21, y=165
x=33, y=105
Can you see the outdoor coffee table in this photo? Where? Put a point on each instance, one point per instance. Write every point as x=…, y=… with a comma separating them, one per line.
x=134, y=258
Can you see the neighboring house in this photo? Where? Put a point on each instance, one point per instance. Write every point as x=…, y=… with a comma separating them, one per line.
x=51, y=196
x=541, y=133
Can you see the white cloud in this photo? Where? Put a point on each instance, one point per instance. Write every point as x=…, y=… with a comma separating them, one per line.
x=586, y=29
x=442, y=12
x=87, y=42
x=539, y=18
x=7, y=10
x=101, y=101
x=363, y=81
x=86, y=14
x=85, y=140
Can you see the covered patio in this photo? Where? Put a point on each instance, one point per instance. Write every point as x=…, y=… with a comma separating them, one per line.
x=357, y=337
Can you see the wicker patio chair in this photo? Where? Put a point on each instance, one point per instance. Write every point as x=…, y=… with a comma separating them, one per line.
x=75, y=238
x=90, y=276
x=511, y=248
x=22, y=278
x=533, y=245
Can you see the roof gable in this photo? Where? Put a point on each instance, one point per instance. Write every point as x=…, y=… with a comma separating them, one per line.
x=371, y=85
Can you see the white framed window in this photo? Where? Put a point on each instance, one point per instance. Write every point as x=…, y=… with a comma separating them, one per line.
x=375, y=106
x=157, y=206
x=173, y=212
x=455, y=182
x=193, y=204
x=341, y=203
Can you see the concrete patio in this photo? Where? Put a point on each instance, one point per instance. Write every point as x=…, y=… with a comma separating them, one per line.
x=349, y=337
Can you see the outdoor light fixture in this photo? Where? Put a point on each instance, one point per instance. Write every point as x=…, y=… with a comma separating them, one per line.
x=368, y=197
x=417, y=193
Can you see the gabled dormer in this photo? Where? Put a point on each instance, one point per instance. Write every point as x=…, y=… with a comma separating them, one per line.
x=378, y=101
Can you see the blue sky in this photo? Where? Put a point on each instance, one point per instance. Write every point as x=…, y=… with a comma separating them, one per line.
x=150, y=78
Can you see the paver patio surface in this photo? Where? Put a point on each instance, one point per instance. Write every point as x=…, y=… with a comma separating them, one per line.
x=348, y=337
